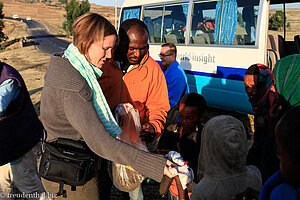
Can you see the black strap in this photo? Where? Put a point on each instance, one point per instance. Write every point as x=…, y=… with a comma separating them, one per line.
x=61, y=190
x=44, y=137
x=73, y=188
x=43, y=141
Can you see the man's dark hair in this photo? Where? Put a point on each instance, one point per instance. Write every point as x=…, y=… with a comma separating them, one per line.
x=288, y=132
x=252, y=70
x=172, y=47
x=194, y=100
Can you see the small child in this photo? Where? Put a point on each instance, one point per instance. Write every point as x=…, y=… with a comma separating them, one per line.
x=285, y=184
x=222, y=162
x=185, y=136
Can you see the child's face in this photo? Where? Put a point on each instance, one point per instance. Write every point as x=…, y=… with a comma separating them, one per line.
x=188, y=118
x=288, y=168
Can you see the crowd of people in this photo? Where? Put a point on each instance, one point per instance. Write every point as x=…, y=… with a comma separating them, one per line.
x=101, y=69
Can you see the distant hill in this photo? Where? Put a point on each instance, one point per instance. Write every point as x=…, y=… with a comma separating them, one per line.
x=51, y=10
x=46, y=2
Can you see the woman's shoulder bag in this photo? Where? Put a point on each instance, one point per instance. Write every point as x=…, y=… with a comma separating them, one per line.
x=67, y=161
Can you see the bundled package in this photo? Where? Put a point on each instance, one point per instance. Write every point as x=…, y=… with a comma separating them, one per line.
x=125, y=178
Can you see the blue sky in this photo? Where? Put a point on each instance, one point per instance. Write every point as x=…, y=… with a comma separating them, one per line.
x=107, y=2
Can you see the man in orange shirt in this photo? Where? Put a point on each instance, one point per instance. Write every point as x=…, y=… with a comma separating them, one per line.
x=143, y=78
x=143, y=85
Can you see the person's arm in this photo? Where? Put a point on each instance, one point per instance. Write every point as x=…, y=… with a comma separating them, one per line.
x=177, y=84
x=182, y=194
x=83, y=118
x=9, y=91
x=157, y=103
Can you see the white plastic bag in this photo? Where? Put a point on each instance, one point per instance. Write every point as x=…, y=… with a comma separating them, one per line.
x=125, y=178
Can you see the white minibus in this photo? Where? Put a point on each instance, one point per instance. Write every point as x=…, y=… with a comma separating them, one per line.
x=218, y=40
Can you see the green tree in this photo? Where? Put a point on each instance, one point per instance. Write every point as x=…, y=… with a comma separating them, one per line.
x=70, y=7
x=85, y=6
x=74, y=9
x=2, y=36
x=276, y=21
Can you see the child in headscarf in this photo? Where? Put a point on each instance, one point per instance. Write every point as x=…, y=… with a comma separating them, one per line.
x=222, y=161
x=286, y=78
x=285, y=184
x=259, y=86
x=260, y=89
x=287, y=83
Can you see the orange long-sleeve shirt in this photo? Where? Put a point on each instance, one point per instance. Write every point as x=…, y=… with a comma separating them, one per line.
x=144, y=86
x=148, y=90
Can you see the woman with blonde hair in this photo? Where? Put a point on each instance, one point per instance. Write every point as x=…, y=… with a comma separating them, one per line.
x=73, y=105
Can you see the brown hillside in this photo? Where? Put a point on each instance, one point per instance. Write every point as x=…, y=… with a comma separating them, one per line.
x=51, y=16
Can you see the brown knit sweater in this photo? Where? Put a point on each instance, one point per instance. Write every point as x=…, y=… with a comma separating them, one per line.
x=67, y=111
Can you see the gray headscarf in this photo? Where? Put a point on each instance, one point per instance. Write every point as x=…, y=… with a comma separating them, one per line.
x=223, y=149
x=222, y=160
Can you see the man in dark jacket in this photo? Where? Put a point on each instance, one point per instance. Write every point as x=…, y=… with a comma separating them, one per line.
x=20, y=132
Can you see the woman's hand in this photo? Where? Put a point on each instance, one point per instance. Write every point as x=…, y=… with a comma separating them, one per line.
x=167, y=171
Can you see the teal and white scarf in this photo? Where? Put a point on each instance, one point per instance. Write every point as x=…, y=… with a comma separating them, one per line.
x=90, y=74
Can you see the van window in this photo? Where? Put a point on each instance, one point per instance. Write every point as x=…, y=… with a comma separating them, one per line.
x=131, y=13
x=276, y=20
x=166, y=23
x=227, y=22
x=151, y=16
x=203, y=23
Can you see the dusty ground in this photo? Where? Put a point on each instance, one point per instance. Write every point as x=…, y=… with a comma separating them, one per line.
x=33, y=64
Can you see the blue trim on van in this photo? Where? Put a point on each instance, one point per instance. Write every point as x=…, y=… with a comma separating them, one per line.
x=223, y=72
